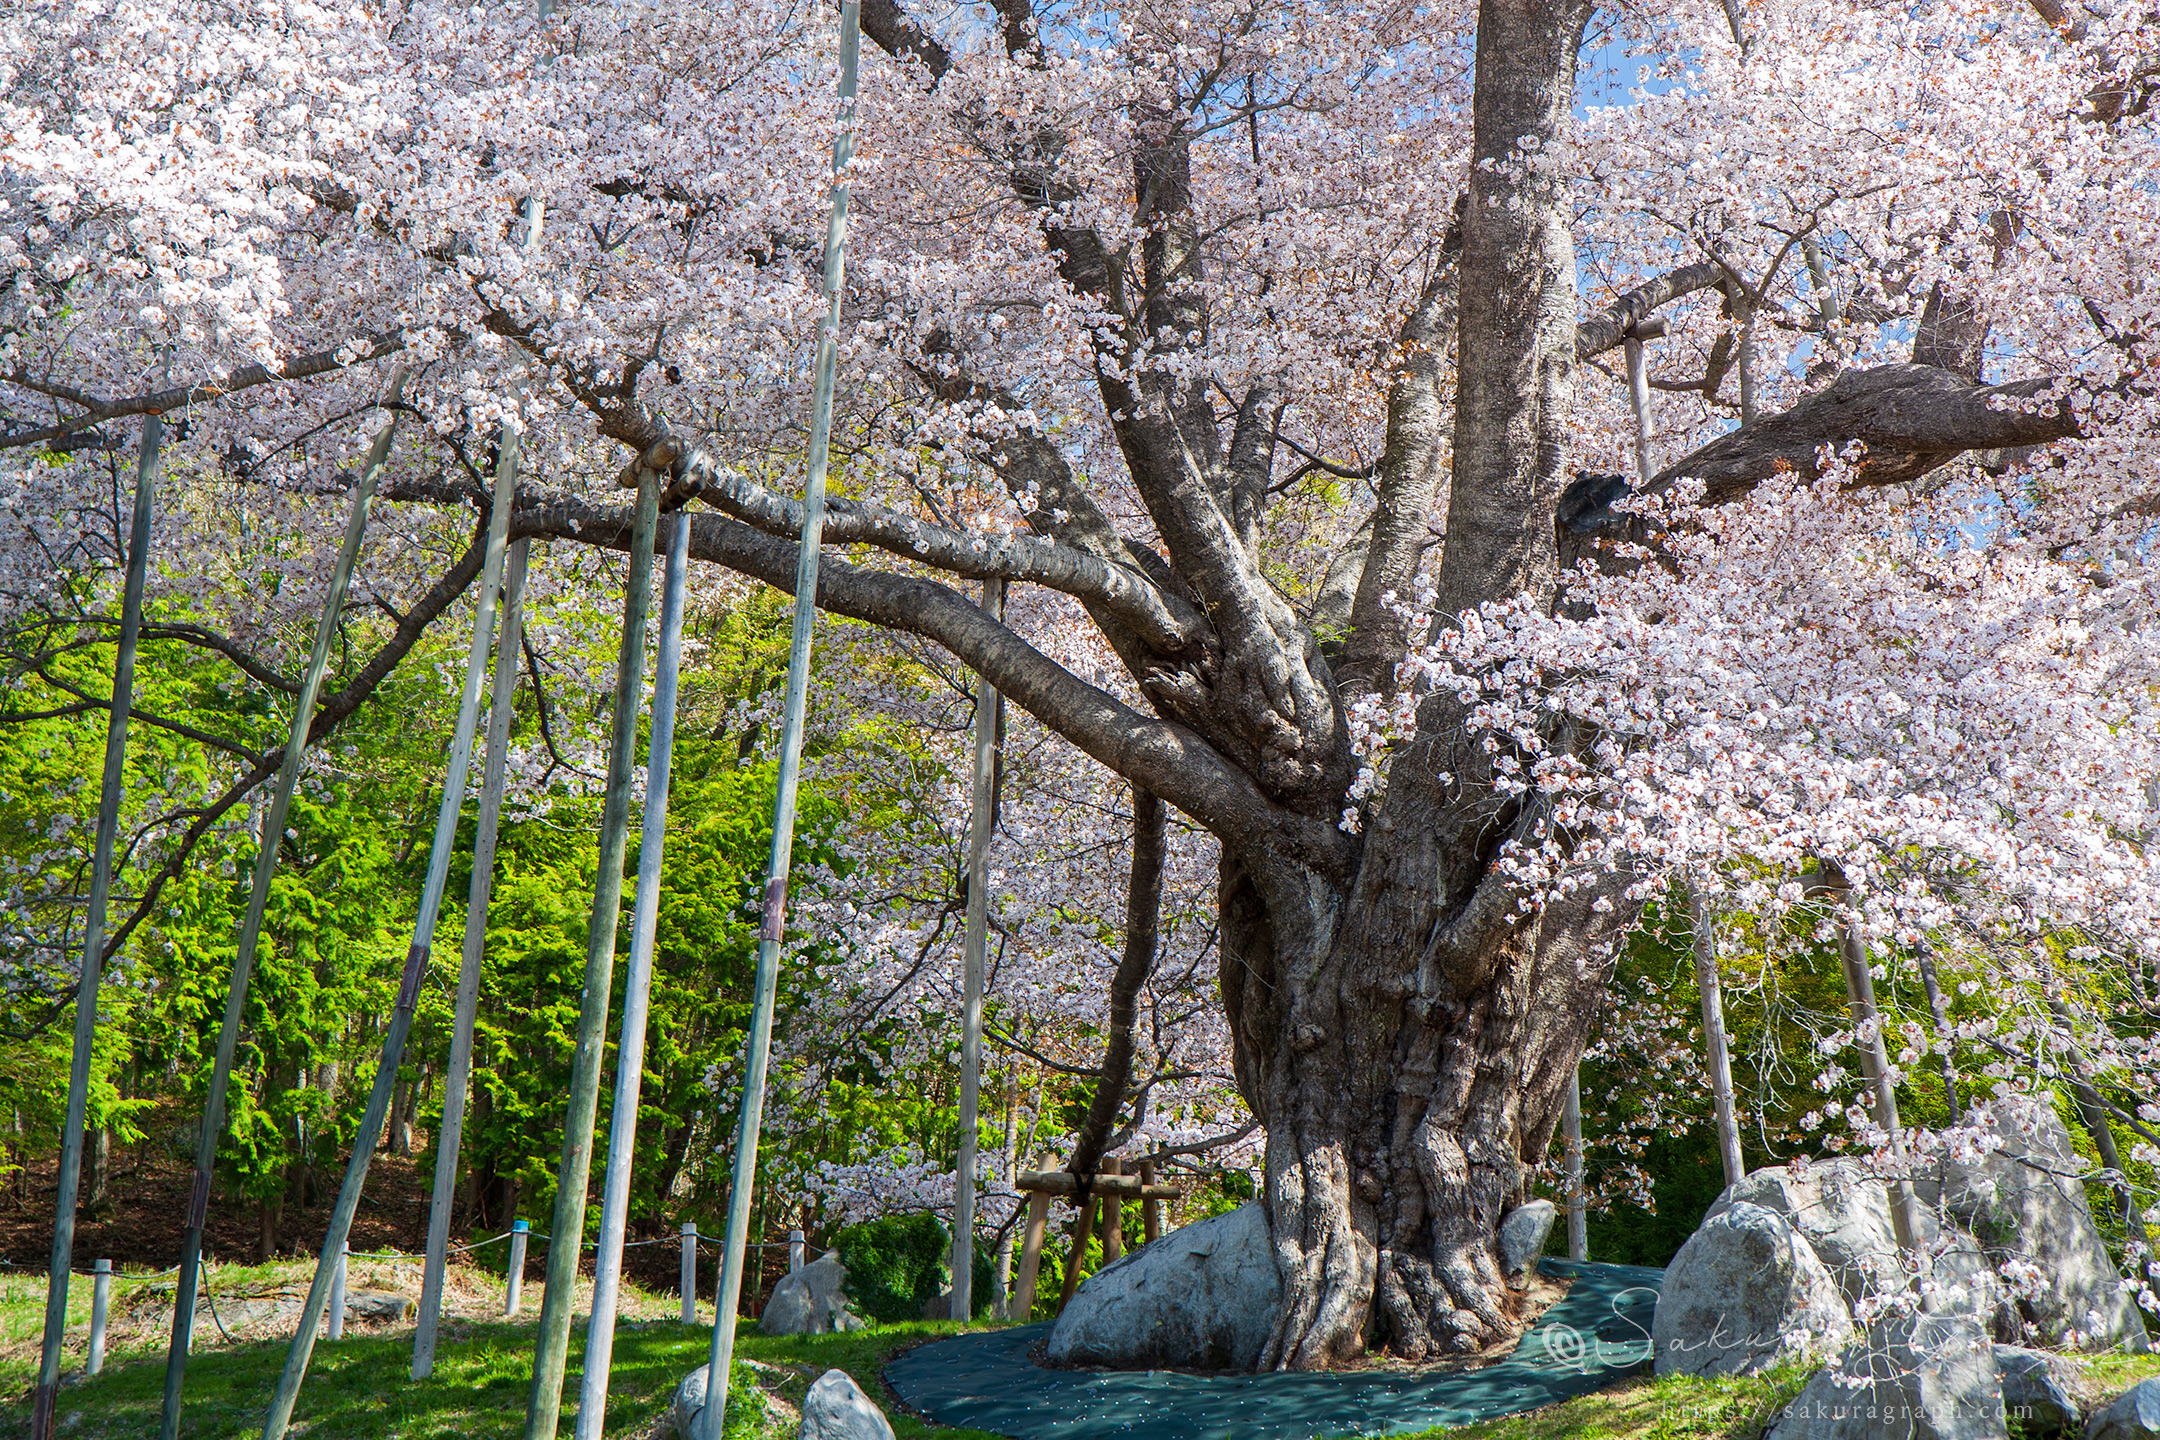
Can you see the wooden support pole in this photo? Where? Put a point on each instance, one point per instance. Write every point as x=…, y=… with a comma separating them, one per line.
x=573, y=1176
x=466, y=1012
x=1113, y=1226
x=1083, y=1229
x=1150, y=1208
x=1875, y=1065
x=440, y=849
x=1031, y=1245
x=1713, y=1019
x=982, y=820
x=328, y=626
x=1578, y=1229
x=93, y=947
x=637, y=994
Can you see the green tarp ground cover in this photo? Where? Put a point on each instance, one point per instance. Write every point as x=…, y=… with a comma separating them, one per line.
x=1598, y=1334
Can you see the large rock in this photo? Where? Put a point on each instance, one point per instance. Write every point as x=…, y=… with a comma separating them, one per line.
x=837, y=1409
x=1928, y=1377
x=689, y=1404
x=1522, y=1238
x=2134, y=1416
x=1843, y=1212
x=1744, y=1294
x=1202, y=1297
x=2026, y=1205
x=812, y=1301
x=2041, y=1392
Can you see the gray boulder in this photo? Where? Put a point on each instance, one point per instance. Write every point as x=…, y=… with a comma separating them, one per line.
x=1522, y=1238
x=2136, y=1416
x=2039, y=1390
x=1843, y=1212
x=2026, y=1206
x=1744, y=1294
x=1202, y=1297
x=1927, y=1377
x=837, y=1409
x=812, y=1301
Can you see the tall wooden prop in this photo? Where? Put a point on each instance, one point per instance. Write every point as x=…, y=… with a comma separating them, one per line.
x=551, y=1352
x=416, y=958
x=989, y=711
x=266, y=860
x=751, y=1113
x=502, y=692
x=637, y=990
x=93, y=947
x=1720, y=1056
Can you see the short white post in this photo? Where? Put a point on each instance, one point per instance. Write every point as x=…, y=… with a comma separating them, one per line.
x=794, y=1251
x=520, y=1232
x=336, y=1318
x=689, y=1272
x=100, y=1297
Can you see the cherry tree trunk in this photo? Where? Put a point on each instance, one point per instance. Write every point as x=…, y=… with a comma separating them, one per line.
x=1406, y=1035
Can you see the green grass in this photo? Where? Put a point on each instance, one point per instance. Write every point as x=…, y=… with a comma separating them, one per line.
x=1673, y=1407
x=360, y=1386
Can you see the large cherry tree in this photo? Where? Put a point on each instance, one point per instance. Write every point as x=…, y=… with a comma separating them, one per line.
x=1232, y=325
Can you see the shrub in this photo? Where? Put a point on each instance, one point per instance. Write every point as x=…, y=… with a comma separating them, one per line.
x=896, y=1263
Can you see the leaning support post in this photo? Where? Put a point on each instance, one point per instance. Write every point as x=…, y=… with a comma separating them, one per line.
x=1031, y=1245
x=1713, y=1021
x=449, y=1137
x=1578, y=1228
x=551, y=1351
x=637, y=988
x=982, y=820
x=335, y=1328
x=416, y=959
x=1905, y=1220
x=266, y=860
x=93, y=947
x=751, y=1112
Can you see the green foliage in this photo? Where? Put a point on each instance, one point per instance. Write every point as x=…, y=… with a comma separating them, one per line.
x=896, y=1263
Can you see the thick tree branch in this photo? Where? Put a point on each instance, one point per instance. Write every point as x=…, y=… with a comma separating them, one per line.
x=1164, y=757
x=157, y=402
x=1912, y=418
x=1165, y=623
x=1596, y=336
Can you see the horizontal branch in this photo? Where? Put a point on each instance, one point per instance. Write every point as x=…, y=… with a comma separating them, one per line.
x=1611, y=326
x=1169, y=625
x=178, y=397
x=1166, y=757
x=1912, y=418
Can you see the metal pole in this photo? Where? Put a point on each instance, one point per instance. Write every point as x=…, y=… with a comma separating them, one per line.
x=1713, y=1020
x=266, y=859
x=751, y=1112
x=689, y=1272
x=1578, y=1220
x=93, y=947
x=336, y=1325
x=637, y=988
x=100, y=1302
x=416, y=958
x=514, y=1288
x=551, y=1351
x=988, y=704
x=500, y=697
